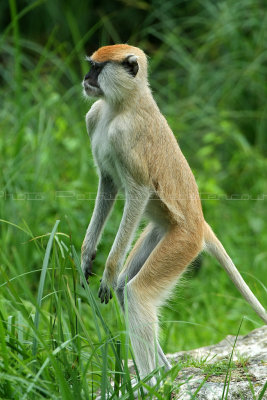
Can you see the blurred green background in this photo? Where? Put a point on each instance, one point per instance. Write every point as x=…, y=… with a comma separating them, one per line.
x=207, y=68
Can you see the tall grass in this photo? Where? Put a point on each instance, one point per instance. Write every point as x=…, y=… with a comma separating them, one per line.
x=207, y=71
x=49, y=349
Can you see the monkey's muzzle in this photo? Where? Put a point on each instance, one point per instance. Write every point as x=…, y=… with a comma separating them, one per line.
x=87, y=83
x=91, y=87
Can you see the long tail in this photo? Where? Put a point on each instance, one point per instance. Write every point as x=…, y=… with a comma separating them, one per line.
x=215, y=248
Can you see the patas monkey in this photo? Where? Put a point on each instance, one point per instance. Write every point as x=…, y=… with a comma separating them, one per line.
x=135, y=151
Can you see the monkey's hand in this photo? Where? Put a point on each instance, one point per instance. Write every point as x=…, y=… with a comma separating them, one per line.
x=107, y=282
x=87, y=265
x=104, y=292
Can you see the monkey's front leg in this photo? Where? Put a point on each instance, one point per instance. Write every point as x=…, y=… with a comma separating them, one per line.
x=105, y=198
x=135, y=204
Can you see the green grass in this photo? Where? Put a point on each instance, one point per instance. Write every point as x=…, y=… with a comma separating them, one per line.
x=207, y=72
x=50, y=350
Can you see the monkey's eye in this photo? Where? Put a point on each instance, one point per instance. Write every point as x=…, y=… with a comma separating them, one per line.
x=94, y=71
x=89, y=60
x=131, y=65
x=95, y=66
x=92, y=66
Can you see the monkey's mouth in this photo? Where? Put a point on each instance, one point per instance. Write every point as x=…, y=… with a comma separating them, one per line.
x=91, y=88
x=88, y=84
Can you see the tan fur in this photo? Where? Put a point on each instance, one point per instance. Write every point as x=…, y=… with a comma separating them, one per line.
x=137, y=153
x=116, y=52
x=167, y=262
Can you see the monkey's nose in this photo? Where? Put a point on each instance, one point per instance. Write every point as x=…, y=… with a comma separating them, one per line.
x=87, y=76
x=84, y=83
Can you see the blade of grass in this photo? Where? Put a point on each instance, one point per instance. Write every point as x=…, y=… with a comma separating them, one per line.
x=4, y=356
x=19, y=15
x=41, y=284
x=16, y=39
x=127, y=377
x=118, y=371
x=104, y=385
x=229, y=369
x=264, y=389
x=200, y=386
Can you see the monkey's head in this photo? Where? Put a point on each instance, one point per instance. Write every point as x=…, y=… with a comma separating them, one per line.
x=116, y=72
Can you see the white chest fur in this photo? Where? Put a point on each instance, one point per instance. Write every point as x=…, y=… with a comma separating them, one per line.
x=103, y=150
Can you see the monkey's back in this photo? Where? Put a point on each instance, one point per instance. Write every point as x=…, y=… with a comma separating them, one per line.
x=169, y=173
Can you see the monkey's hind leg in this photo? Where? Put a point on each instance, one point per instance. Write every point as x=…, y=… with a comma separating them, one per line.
x=150, y=287
x=146, y=243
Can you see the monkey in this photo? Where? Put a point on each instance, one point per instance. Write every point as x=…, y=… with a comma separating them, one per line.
x=136, y=153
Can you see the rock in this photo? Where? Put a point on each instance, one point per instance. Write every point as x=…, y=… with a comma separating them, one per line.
x=248, y=372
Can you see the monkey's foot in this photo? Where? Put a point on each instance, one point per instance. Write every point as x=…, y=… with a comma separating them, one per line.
x=104, y=292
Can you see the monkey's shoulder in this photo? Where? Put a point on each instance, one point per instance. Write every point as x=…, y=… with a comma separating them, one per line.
x=93, y=115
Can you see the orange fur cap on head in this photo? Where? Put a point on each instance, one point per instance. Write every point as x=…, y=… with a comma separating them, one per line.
x=117, y=52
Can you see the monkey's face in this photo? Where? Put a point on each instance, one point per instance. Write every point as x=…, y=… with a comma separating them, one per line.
x=90, y=83
x=112, y=79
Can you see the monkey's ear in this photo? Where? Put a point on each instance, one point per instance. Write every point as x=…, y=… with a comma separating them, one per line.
x=130, y=63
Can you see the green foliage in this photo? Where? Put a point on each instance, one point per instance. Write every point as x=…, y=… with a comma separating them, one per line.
x=208, y=74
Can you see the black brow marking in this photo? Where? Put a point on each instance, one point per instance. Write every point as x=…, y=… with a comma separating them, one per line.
x=92, y=76
x=95, y=63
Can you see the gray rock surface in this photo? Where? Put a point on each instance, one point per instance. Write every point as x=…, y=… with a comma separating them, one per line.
x=248, y=372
